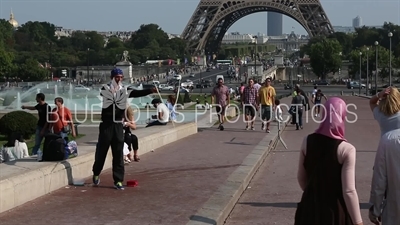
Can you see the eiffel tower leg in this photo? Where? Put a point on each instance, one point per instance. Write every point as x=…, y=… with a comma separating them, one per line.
x=212, y=19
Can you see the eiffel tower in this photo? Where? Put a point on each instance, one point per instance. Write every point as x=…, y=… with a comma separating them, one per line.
x=212, y=19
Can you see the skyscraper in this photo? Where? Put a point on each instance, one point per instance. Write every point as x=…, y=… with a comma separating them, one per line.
x=357, y=22
x=274, y=24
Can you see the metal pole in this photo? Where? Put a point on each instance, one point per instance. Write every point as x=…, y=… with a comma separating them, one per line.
x=376, y=65
x=359, y=88
x=255, y=60
x=87, y=66
x=390, y=61
x=367, y=88
x=201, y=83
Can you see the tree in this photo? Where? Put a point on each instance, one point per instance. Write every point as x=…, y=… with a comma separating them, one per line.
x=32, y=71
x=325, y=57
x=6, y=63
x=383, y=61
x=345, y=40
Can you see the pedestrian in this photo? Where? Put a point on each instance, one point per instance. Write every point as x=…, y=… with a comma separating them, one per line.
x=220, y=94
x=250, y=103
x=317, y=100
x=266, y=96
x=42, y=126
x=111, y=130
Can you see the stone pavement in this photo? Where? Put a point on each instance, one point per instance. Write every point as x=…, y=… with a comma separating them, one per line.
x=271, y=197
x=174, y=182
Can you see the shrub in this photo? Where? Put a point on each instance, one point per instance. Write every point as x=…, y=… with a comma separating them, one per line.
x=18, y=122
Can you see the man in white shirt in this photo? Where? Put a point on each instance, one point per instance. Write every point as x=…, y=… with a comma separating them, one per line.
x=257, y=85
x=162, y=116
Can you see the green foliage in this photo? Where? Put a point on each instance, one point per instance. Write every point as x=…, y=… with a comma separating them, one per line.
x=34, y=44
x=18, y=122
x=383, y=61
x=325, y=57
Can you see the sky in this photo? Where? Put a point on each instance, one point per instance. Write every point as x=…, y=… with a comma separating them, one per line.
x=173, y=15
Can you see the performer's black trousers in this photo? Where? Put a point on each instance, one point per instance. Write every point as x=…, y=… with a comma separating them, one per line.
x=110, y=134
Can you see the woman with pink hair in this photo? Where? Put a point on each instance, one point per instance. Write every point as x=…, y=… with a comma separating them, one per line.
x=327, y=173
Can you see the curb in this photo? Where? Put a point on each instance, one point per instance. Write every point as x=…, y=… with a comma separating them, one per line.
x=218, y=207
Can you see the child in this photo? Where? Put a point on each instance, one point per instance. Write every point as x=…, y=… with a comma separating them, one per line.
x=278, y=111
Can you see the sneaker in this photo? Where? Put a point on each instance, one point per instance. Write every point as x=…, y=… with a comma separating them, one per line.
x=119, y=186
x=247, y=127
x=252, y=128
x=262, y=126
x=96, y=180
x=268, y=131
x=221, y=127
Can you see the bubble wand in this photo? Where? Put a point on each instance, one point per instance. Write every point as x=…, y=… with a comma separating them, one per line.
x=176, y=100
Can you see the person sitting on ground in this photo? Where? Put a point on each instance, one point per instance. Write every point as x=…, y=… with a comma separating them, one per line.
x=162, y=116
x=131, y=139
x=171, y=107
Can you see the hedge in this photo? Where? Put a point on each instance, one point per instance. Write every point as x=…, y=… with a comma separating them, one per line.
x=18, y=122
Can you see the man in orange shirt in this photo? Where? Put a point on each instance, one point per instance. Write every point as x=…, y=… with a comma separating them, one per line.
x=61, y=121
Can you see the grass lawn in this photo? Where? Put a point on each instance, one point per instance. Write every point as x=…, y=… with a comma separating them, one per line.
x=31, y=142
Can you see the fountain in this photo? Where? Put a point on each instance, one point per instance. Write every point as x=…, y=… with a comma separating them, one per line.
x=19, y=104
x=74, y=100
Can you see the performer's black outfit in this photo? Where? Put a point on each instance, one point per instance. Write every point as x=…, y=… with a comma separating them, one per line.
x=111, y=130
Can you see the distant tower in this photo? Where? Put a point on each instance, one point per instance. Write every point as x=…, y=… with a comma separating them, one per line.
x=12, y=20
x=357, y=22
x=274, y=24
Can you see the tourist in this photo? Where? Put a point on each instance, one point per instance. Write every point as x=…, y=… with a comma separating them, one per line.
x=220, y=96
x=266, y=96
x=171, y=107
x=42, y=126
x=298, y=102
x=250, y=103
x=111, y=128
x=131, y=139
x=385, y=106
x=61, y=119
x=385, y=187
x=162, y=116
x=326, y=172
x=317, y=100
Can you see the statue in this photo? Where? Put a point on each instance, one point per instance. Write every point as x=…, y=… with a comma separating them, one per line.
x=125, y=57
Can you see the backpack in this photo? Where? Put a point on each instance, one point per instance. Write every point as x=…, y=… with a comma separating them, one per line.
x=53, y=148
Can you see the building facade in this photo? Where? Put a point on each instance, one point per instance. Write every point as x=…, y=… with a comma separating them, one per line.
x=274, y=24
x=357, y=22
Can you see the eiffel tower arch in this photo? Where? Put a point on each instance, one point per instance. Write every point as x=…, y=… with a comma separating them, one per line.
x=212, y=19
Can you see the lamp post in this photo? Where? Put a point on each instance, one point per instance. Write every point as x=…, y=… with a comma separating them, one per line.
x=367, y=88
x=390, y=35
x=376, y=66
x=92, y=73
x=255, y=56
x=359, y=78
x=87, y=65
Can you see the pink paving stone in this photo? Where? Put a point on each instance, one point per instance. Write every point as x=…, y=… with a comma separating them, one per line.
x=274, y=192
x=174, y=182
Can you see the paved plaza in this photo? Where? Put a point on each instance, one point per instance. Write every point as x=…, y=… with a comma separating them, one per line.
x=176, y=181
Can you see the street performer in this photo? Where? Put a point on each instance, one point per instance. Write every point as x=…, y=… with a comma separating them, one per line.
x=111, y=130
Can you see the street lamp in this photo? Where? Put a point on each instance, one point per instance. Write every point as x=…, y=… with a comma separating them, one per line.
x=359, y=78
x=376, y=66
x=367, y=88
x=390, y=35
x=92, y=73
x=255, y=56
x=87, y=65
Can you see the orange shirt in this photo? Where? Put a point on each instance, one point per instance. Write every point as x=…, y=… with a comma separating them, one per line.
x=60, y=118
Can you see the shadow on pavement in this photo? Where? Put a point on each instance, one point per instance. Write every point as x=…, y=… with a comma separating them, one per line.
x=267, y=204
x=202, y=219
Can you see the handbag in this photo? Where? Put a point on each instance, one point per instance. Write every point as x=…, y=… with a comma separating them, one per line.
x=293, y=109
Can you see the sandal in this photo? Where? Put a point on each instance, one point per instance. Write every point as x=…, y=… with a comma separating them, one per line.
x=136, y=158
